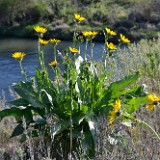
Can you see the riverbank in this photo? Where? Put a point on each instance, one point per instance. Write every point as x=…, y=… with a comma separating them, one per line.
x=66, y=32
x=135, y=19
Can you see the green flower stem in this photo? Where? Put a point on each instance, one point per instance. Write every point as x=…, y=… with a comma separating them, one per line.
x=75, y=33
x=92, y=45
x=74, y=57
x=146, y=124
x=41, y=57
x=79, y=48
x=105, y=61
x=71, y=121
x=85, y=52
x=55, y=58
x=43, y=62
x=23, y=70
x=57, y=78
x=39, y=54
x=103, y=52
x=151, y=128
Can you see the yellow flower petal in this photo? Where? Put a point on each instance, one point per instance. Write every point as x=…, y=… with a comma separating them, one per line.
x=150, y=107
x=43, y=42
x=124, y=39
x=18, y=55
x=53, y=63
x=114, y=112
x=39, y=29
x=152, y=98
x=111, y=46
x=117, y=105
x=112, y=117
x=89, y=34
x=73, y=50
x=109, y=31
x=78, y=17
x=55, y=41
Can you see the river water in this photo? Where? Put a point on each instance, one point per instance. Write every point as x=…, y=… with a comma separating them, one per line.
x=9, y=68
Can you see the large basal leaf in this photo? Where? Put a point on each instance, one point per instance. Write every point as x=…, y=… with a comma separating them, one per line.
x=27, y=85
x=60, y=127
x=43, y=82
x=40, y=111
x=46, y=97
x=19, y=102
x=64, y=124
x=89, y=140
x=134, y=104
x=18, y=130
x=116, y=89
x=27, y=95
x=14, y=111
x=27, y=114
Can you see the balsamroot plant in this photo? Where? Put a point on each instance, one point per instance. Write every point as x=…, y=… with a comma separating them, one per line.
x=66, y=109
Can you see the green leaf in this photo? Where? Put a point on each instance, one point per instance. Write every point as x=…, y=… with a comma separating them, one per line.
x=46, y=97
x=64, y=124
x=14, y=111
x=84, y=109
x=18, y=130
x=43, y=82
x=28, y=116
x=60, y=127
x=27, y=95
x=40, y=111
x=116, y=89
x=19, y=102
x=134, y=104
x=89, y=140
x=27, y=85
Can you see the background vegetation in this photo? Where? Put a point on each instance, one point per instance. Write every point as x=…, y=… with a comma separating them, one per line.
x=137, y=19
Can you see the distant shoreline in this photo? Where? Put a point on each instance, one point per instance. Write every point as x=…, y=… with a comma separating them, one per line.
x=64, y=34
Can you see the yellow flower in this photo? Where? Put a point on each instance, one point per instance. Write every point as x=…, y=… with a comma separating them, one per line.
x=78, y=17
x=94, y=33
x=89, y=34
x=117, y=105
x=53, y=63
x=116, y=108
x=152, y=101
x=73, y=50
x=124, y=39
x=112, y=117
x=39, y=29
x=109, y=31
x=111, y=46
x=43, y=42
x=55, y=41
x=18, y=55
